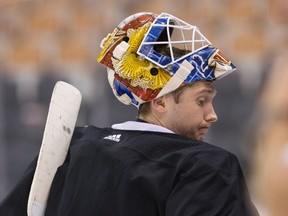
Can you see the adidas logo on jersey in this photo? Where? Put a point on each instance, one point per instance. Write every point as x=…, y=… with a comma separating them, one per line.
x=115, y=137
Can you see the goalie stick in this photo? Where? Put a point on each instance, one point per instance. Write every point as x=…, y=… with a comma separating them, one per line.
x=62, y=116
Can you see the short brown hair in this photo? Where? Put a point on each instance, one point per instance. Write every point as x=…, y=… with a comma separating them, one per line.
x=144, y=108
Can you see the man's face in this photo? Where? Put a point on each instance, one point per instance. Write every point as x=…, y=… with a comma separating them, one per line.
x=194, y=113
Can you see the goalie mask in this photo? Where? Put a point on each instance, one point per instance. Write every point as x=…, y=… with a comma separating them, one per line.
x=150, y=55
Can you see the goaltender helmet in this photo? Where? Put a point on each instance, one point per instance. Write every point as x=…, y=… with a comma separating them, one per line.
x=150, y=55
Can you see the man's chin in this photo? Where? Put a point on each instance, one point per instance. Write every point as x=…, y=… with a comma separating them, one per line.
x=201, y=138
x=198, y=138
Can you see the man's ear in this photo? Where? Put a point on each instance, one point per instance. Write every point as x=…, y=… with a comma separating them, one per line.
x=159, y=104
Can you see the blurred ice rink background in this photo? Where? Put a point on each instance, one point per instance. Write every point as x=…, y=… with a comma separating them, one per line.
x=44, y=41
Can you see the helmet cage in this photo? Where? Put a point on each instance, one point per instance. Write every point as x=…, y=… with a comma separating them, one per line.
x=170, y=31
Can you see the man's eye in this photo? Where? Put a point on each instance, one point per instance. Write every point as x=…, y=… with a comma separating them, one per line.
x=201, y=102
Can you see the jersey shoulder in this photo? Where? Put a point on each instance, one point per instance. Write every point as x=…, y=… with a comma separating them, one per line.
x=164, y=147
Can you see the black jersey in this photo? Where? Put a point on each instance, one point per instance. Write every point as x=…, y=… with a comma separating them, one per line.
x=112, y=172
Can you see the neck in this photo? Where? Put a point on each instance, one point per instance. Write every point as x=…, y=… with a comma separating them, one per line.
x=151, y=118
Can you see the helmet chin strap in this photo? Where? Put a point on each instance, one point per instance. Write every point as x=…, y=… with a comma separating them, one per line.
x=177, y=79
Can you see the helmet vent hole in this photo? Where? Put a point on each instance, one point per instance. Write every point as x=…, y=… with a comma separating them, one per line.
x=126, y=39
x=154, y=71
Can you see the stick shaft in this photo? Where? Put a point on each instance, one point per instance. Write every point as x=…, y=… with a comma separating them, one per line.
x=62, y=116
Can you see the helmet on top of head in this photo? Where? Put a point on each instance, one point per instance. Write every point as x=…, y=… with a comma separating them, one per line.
x=150, y=55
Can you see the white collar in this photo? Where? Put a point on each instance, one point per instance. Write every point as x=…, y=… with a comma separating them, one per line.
x=140, y=126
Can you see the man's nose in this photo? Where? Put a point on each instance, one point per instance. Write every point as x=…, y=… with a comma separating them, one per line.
x=211, y=115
